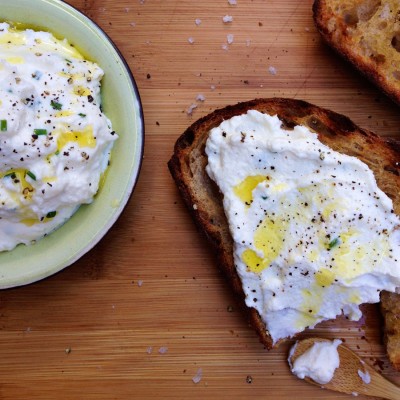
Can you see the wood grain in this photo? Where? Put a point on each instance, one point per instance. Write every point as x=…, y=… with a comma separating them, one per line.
x=95, y=330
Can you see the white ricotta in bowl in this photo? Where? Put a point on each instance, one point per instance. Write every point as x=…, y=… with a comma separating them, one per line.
x=314, y=237
x=55, y=142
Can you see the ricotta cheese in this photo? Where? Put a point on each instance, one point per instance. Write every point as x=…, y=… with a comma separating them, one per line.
x=314, y=237
x=55, y=142
x=319, y=362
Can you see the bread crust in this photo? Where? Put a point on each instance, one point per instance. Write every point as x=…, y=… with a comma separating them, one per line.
x=204, y=201
x=367, y=34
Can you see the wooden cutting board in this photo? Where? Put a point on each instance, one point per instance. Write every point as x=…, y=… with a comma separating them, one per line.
x=147, y=311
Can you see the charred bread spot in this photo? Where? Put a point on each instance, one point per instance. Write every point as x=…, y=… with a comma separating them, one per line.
x=287, y=124
x=319, y=127
x=342, y=122
x=392, y=169
x=187, y=139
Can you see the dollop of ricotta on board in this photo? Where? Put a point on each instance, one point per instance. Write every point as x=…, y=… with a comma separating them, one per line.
x=55, y=142
x=314, y=236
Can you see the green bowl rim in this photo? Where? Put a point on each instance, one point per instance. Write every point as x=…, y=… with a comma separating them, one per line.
x=140, y=130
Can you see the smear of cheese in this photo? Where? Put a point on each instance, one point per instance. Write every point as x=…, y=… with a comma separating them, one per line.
x=314, y=237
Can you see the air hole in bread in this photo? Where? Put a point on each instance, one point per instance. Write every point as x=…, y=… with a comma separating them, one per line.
x=382, y=25
x=396, y=42
x=351, y=18
x=367, y=9
x=396, y=75
x=378, y=58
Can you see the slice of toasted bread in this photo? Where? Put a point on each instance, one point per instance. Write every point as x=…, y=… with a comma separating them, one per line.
x=390, y=306
x=188, y=162
x=367, y=33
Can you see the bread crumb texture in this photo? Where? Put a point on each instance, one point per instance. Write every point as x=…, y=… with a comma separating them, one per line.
x=370, y=32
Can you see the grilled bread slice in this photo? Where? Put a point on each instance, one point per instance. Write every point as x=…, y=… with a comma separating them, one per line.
x=201, y=195
x=367, y=33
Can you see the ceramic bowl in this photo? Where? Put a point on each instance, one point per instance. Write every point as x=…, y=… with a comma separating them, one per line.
x=121, y=103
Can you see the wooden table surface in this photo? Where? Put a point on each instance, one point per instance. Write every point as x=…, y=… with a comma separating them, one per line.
x=147, y=310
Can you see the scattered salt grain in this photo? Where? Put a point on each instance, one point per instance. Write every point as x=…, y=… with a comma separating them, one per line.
x=200, y=97
x=248, y=41
x=272, y=70
x=139, y=282
x=149, y=350
x=163, y=350
x=227, y=19
x=133, y=24
x=224, y=46
x=199, y=374
x=127, y=9
x=365, y=376
x=197, y=21
x=141, y=1
x=232, y=2
x=191, y=108
x=229, y=38
x=194, y=206
x=212, y=87
x=191, y=40
x=354, y=394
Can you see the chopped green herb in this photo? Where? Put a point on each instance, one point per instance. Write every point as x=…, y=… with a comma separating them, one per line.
x=56, y=105
x=333, y=243
x=82, y=115
x=57, y=152
x=40, y=131
x=51, y=214
x=3, y=125
x=68, y=61
x=11, y=175
x=31, y=175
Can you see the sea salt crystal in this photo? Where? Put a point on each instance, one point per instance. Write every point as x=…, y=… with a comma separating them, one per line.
x=199, y=374
x=229, y=38
x=248, y=41
x=232, y=2
x=191, y=40
x=132, y=24
x=200, y=97
x=224, y=46
x=272, y=70
x=227, y=19
x=191, y=109
x=149, y=350
x=163, y=350
x=139, y=282
x=197, y=21
x=365, y=376
x=212, y=87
